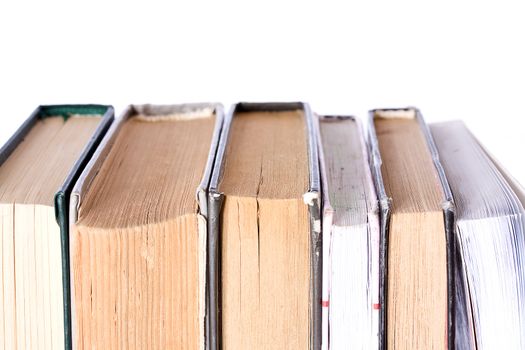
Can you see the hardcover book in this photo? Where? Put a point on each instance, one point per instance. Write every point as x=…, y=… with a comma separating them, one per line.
x=490, y=285
x=38, y=167
x=417, y=251
x=350, y=237
x=138, y=231
x=264, y=204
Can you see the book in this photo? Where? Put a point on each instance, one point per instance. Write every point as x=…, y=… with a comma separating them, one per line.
x=265, y=230
x=138, y=230
x=490, y=232
x=38, y=166
x=417, y=228
x=350, y=237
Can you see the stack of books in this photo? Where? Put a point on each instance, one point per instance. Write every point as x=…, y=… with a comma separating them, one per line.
x=269, y=227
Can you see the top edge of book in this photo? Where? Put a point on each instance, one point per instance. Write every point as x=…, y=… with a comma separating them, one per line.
x=106, y=112
x=396, y=113
x=48, y=111
x=312, y=196
x=151, y=112
x=338, y=118
x=173, y=112
x=375, y=156
x=68, y=110
x=240, y=107
x=370, y=189
x=471, y=167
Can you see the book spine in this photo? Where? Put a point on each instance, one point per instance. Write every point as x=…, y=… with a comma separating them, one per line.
x=313, y=200
x=384, y=224
x=213, y=306
x=61, y=203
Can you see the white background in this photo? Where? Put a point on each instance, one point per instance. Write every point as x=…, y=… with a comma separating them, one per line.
x=452, y=59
